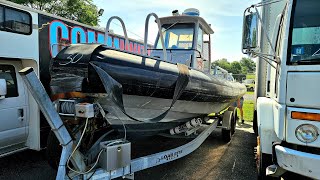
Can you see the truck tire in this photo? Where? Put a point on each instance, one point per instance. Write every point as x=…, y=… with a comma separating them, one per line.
x=53, y=151
x=262, y=163
x=255, y=123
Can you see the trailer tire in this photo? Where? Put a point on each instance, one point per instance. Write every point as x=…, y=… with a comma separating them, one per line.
x=226, y=135
x=53, y=151
x=234, y=119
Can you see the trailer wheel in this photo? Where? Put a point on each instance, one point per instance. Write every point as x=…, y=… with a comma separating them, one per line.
x=53, y=151
x=226, y=135
x=233, y=119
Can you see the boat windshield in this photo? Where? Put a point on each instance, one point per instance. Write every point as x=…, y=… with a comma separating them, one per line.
x=305, y=32
x=178, y=36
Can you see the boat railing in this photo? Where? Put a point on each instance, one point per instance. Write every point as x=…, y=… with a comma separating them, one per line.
x=222, y=73
x=126, y=45
x=160, y=35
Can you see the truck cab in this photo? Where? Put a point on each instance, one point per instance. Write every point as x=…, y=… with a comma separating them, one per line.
x=283, y=36
x=186, y=39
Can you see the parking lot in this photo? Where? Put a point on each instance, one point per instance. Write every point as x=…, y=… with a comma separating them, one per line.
x=213, y=160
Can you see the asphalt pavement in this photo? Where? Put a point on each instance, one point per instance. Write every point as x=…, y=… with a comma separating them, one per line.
x=213, y=160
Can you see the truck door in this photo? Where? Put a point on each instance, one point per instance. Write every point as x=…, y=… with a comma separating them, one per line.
x=13, y=109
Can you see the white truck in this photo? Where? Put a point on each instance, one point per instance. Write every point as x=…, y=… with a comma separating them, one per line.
x=29, y=38
x=283, y=35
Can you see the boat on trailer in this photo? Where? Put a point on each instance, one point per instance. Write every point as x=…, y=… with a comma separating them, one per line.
x=154, y=92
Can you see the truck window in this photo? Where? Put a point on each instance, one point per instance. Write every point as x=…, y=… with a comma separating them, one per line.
x=8, y=73
x=305, y=41
x=13, y=20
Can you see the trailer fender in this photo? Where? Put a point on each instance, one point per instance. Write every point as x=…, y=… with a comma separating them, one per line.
x=226, y=121
x=265, y=122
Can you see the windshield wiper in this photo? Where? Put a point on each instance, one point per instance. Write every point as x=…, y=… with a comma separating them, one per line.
x=171, y=26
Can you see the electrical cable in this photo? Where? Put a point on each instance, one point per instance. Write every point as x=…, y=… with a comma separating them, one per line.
x=98, y=157
x=124, y=127
x=84, y=130
x=104, y=116
x=94, y=165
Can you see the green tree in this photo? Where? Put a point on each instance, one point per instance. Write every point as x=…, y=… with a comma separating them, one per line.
x=235, y=67
x=248, y=65
x=223, y=63
x=83, y=11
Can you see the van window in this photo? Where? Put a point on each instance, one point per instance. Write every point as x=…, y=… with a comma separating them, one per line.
x=17, y=21
x=14, y=20
x=1, y=17
x=8, y=73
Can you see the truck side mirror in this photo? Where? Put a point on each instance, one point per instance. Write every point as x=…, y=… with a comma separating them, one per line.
x=250, y=32
x=3, y=88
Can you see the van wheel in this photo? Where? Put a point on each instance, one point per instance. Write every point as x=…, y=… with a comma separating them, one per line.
x=53, y=151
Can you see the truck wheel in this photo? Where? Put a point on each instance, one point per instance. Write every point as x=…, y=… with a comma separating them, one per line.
x=53, y=151
x=263, y=162
x=255, y=123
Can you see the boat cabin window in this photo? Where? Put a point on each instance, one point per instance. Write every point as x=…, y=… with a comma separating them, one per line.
x=14, y=20
x=178, y=36
x=200, y=40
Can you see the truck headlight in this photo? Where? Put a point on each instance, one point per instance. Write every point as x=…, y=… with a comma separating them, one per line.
x=307, y=133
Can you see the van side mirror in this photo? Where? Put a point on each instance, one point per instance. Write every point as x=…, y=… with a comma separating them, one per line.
x=250, y=32
x=3, y=88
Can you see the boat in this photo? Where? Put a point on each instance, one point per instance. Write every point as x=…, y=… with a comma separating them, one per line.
x=166, y=86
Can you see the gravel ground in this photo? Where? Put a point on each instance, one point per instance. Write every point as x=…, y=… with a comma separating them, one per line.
x=213, y=160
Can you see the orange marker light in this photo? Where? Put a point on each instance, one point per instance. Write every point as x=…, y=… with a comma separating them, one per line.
x=305, y=116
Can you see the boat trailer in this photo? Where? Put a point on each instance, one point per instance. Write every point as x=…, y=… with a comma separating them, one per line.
x=115, y=156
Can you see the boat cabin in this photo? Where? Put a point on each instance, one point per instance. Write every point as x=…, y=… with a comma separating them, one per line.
x=186, y=39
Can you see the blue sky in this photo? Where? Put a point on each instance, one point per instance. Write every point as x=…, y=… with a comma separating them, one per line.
x=225, y=17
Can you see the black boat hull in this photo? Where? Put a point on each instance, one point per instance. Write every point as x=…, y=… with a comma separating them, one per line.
x=144, y=86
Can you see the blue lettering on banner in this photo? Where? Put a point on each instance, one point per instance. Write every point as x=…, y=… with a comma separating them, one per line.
x=58, y=31
x=54, y=27
x=76, y=33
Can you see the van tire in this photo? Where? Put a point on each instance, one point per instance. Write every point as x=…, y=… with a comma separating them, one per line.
x=53, y=151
